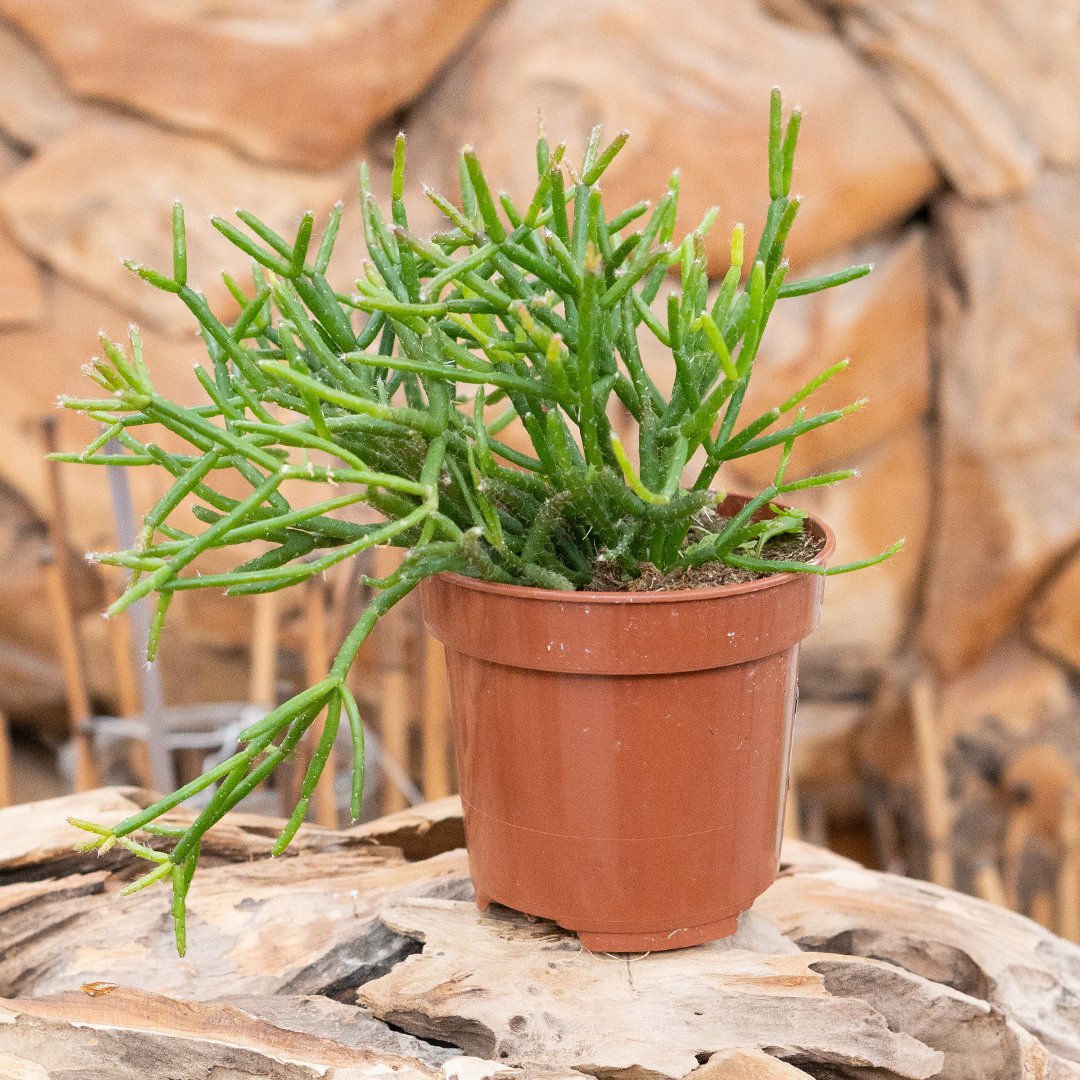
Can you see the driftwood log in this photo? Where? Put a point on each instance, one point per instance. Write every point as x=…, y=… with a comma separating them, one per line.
x=360, y=954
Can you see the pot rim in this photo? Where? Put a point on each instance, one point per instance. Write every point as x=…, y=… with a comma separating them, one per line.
x=659, y=596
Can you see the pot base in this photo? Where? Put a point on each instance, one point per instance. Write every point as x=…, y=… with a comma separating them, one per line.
x=660, y=940
x=648, y=941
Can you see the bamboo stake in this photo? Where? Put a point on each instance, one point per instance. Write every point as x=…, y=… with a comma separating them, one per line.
x=316, y=667
x=1068, y=888
x=1017, y=832
x=1042, y=909
x=989, y=885
x=394, y=686
x=395, y=726
x=937, y=812
x=154, y=753
x=436, y=729
x=78, y=701
x=363, y=675
x=262, y=681
x=792, y=824
x=262, y=678
x=57, y=581
x=341, y=593
x=121, y=649
x=6, y=796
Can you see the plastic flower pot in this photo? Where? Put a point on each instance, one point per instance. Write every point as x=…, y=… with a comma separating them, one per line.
x=623, y=757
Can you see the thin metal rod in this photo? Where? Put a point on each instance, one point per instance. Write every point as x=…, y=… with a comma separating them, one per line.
x=58, y=584
x=162, y=774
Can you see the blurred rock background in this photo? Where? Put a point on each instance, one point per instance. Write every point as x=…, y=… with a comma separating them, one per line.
x=941, y=140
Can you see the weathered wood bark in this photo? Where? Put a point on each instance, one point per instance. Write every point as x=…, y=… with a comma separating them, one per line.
x=350, y=958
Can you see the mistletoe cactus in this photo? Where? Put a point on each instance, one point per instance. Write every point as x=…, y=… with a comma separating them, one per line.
x=395, y=395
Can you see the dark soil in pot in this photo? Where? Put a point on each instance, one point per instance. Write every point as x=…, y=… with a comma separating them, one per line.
x=609, y=577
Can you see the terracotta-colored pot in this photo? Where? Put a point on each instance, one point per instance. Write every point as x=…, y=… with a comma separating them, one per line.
x=623, y=757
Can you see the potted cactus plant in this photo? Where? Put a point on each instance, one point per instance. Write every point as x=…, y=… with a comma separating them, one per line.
x=622, y=639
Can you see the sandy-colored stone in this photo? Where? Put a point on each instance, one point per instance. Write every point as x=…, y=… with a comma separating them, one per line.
x=991, y=86
x=35, y=106
x=1009, y=727
x=1010, y=457
x=803, y=14
x=1005, y=736
x=1014, y=691
x=104, y=193
x=1011, y=516
x=298, y=85
x=746, y=1065
x=1054, y=617
x=22, y=299
x=694, y=96
x=12, y=155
